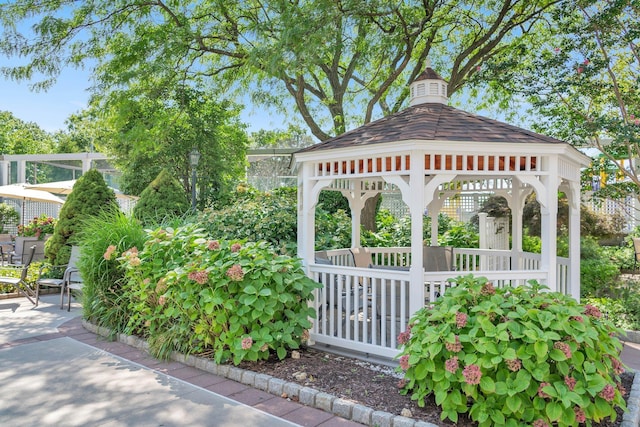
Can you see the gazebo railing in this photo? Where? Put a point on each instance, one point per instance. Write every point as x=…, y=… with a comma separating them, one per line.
x=365, y=309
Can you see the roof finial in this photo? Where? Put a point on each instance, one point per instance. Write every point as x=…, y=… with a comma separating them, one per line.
x=427, y=63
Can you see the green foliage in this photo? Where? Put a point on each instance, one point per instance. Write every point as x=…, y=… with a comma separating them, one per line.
x=460, y=235
x=8, y=216
x=253, y=215
x=623, y=311
x=513, y=355
x=193, y=294
x=531, y=243
x=333, y=201
x=104, y=302
x=163, y=197
x=89, y=197
x=397, y=232
x=38, y=227
x=582, y=83
x=8, y=271
x=382, y=46
x=154, y=125
x=598, y=273
x=256, y=216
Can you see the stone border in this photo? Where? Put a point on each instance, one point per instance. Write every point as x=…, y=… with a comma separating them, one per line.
x=324, y=401
x=631, y=336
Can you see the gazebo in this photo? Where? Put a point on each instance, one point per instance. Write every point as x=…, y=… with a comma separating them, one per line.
x=428, y=153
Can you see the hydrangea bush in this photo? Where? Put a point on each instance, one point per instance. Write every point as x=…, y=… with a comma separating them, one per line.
x=234, y=300
x=510, y=356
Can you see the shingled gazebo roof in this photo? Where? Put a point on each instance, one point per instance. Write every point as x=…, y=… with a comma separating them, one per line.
x=432, y=122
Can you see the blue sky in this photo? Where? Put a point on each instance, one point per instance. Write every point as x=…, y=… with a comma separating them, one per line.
x=69, y=95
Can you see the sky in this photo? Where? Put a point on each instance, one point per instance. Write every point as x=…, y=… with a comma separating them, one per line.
x=69, y=95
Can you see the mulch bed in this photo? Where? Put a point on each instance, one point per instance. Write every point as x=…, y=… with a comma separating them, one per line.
x=372, y=385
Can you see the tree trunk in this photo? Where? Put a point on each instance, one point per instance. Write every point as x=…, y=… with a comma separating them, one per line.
x=368, y=214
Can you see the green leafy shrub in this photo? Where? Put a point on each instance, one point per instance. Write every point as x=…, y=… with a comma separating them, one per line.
x=193, y=294
x=105, y=303
x=597, y=277
x=460, y=235
x=256, y=216
x=163, y=198
x=8, y=217
x=513, y=355
x=272, y=217
x=8, y=271
x=89, y=197
x=623, y=311
x=38, y=227
x=531, y=244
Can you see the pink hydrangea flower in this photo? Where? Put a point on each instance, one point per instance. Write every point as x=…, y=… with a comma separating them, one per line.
x=593, y=311
x=162, y=300
x=577, y=319
x=488, y=289
x=454, y=347
x=247, y=343
x=621, y=389
x=608, y=393
x=570, y=382
x=580, y=416
x=451, y=365
x=541, y=393
x=403, y=337
x=235, y=273
x=540, y=423
x=617, y=366
x=236, y=247
x=213, y=245
x=563, y=347
x=472, y=374
x=201, y=277
x=404, y=362
x=461, y=320
x=514, y=365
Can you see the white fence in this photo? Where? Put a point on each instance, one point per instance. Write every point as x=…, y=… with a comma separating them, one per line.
x=365, y=309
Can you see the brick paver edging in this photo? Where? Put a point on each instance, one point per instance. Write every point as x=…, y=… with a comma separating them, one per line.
x=320, y=400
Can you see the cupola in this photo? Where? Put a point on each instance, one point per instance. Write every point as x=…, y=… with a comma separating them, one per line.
x=428, y=87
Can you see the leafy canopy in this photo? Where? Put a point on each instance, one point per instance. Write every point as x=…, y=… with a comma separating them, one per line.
x=341, y=63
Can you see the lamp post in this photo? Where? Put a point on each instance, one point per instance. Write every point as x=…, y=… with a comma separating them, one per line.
x=194, y=159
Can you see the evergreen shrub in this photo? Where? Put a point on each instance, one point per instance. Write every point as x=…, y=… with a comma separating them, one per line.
x=164, y=197
x=89, y=197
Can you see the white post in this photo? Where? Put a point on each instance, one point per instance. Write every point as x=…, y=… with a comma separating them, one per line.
x=417, y=204
x=21, y=171
x=549, y=222
x=482, y=234
x=574, y=239
x=4, y=172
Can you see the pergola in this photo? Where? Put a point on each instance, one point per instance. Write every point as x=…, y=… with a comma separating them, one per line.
x=430, y=152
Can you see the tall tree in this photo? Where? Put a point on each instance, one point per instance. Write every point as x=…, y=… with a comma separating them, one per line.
x=147, y=131
x=341, y=62
x=584, y=84
x=20, y=137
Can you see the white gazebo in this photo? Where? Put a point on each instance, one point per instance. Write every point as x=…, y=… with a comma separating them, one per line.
x=428, y=153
